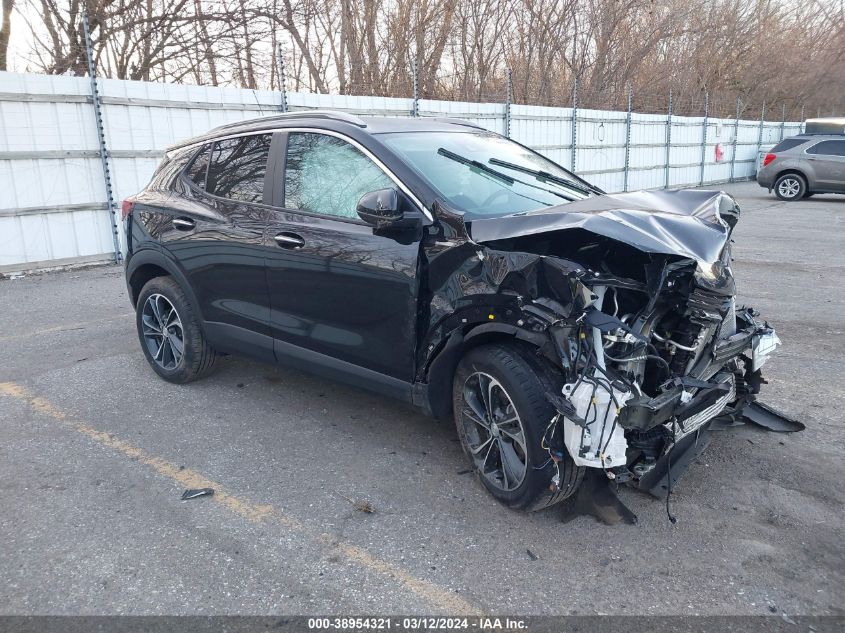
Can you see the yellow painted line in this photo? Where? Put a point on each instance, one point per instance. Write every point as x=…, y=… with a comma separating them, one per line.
x=66, y=327
x=245, y=508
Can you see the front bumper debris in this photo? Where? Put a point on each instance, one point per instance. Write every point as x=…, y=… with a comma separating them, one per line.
x=648, y=440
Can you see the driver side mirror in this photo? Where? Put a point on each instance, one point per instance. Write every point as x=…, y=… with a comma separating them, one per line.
x=380, y=208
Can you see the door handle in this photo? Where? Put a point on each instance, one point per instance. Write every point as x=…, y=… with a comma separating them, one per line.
x=184, y=224
x=289, y=240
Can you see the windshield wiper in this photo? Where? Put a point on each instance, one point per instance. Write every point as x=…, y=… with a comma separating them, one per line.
x=546, y=176
x=497, y=174
x=474, y=163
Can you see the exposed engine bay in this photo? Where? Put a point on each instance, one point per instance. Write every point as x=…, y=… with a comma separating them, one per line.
x=631, y=297
x=641, y=381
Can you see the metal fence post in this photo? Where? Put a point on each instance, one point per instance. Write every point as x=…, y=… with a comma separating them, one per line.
x=280, y=63
x=760, y=137
x=574, y=137
x=736, y=135
x=415, y=105
x=101, y=133
x=704, y=138
x=801, y=127
x=668, y=140
x=782, y=121
x=508, y=105
x=628, y=136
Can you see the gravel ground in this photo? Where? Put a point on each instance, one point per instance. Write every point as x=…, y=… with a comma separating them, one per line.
x=95, y=451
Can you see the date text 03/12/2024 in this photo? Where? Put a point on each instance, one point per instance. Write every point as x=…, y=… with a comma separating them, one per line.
x=416, y=623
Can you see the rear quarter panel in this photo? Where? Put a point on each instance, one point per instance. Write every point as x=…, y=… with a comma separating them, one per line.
x=787, y=162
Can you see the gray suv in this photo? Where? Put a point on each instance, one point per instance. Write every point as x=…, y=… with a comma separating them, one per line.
x=802, y=165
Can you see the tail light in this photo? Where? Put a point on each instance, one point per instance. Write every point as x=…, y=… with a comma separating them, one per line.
x=126, y=208
x=768, y=158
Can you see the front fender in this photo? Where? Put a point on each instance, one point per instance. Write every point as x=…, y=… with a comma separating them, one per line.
x=443, y=362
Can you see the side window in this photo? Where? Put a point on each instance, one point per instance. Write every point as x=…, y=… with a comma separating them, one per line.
x=828, y=148
x=327, y=175
x=788, y=144
x=199, y=167
x=238, y=166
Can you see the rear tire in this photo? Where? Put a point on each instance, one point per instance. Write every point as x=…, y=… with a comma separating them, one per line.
x=790, y=187
x=170, y=333
x=517, y=473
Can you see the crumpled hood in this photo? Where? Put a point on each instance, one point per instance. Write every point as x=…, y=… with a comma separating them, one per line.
x=685, y=223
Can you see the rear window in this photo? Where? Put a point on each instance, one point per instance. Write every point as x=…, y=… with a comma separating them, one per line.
x=828, y=148
x=237, y=168
x=788, y=143
x=199, y=167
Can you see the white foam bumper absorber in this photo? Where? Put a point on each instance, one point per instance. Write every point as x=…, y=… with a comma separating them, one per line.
x=599, y=442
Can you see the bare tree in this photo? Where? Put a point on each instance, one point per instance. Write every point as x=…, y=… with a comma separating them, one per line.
x=786, y=51
x=5, y=30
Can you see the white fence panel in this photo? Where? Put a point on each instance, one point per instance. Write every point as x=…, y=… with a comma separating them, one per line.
x=600, y=147
x=546, y=130
x=52, y=193
x=490, y=116
x=384, y=106
x=647, y=168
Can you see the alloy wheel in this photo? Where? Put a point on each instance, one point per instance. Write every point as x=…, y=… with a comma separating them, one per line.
x=789, y=187
x=494, y=433
x=162, y=331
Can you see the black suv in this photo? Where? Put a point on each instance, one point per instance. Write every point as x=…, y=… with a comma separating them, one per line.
x=439, y=263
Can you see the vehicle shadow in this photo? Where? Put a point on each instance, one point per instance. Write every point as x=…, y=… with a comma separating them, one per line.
x=380, y=432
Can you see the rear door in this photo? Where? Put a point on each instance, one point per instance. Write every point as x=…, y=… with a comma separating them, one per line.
x=217, y=237
x=828, y=160
x=341, y=296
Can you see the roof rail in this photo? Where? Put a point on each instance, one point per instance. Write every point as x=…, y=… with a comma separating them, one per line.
x=259, y=124
x=301, y=114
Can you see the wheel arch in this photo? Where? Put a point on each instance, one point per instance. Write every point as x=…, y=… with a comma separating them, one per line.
x=791, y=170
x=141, y=275
x=149, y=264
x=441, y=368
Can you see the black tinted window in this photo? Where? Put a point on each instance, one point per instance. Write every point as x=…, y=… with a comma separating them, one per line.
x=238, y=166
x=829, y=148
x=788, y=144
x=199, y=167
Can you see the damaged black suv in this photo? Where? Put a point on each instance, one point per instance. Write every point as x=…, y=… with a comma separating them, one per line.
x=562, y=328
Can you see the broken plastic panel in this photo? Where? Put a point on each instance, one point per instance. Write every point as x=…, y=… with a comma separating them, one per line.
x=592, y=436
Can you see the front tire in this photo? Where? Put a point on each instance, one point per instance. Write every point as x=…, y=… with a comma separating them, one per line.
x=790, y=187
x=170, y=334
x=501, y=413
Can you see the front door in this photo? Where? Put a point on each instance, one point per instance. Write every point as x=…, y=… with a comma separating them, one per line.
x=340, y=295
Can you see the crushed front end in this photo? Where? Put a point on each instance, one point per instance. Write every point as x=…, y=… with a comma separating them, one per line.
x=634, y=297
x=650, y=364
